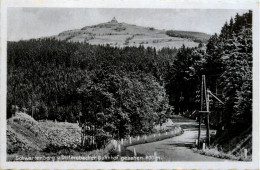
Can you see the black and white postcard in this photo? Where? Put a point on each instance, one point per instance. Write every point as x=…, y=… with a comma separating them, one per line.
x=129, y=84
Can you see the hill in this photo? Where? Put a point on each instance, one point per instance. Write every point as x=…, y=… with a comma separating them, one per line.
x=123, y=34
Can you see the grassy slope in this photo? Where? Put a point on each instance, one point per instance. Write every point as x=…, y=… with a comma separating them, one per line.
x=24, y=133
x=28, y=137
x=123, y=34
x=231, y=147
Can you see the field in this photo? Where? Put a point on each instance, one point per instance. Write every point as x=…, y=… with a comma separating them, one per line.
x=123, y=34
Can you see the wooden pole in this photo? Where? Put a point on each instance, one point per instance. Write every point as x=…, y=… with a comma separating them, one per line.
x=205, y=91
x=208, y=134
x=199, y=131
x=201, y=108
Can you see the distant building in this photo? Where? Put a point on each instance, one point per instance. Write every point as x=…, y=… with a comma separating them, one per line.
x=114, y=21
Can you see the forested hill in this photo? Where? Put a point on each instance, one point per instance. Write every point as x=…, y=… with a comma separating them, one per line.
x=123, y=34
x=122, y=91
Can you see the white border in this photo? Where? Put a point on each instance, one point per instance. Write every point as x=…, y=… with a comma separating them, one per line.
x=196, y=4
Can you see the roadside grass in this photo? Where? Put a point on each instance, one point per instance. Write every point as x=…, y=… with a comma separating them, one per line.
x=214, y=152
x=30, y=138
x=231, y=145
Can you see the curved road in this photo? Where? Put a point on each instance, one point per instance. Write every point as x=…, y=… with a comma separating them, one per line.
x=176, y=148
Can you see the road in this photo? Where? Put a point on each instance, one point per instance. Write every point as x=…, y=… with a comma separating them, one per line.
x=177, y=148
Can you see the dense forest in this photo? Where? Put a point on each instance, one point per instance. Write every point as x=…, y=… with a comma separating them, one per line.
x=122, y=91
x=227, y=63
x=114, y=89
x=195, y=36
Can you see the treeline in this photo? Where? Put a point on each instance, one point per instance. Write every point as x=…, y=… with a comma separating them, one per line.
x=195, y=36
x=226, y=61
x=118, y=91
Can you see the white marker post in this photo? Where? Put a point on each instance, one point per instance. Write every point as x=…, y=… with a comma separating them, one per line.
x=203, y=147
x=245, y=153
x=196, y=142
x=119, y=148
x=154, y=135
x=122, y=141
x=155, y=156
x=138, y=138
x=134, y=152
x=130, y=140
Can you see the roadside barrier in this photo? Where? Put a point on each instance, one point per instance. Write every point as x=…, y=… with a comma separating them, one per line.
x=149, y=138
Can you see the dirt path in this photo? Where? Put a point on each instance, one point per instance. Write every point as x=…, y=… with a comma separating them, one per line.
x=176, y=148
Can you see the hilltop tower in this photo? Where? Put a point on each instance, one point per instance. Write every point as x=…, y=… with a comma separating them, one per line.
x=114, y=21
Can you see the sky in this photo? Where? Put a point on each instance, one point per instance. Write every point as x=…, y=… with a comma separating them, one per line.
x=26, y=23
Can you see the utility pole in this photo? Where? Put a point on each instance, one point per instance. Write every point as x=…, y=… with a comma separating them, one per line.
x=207, y=119
x=205, y=93
x=201, y=108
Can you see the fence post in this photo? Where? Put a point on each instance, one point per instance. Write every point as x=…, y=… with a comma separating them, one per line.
x=245, y=153
x=138, y=138
x=155, y=156
x=130, y=140
x=119, y=148
x=134, y=152
x=196, y=141
x=203, y=147
x=122, y=141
